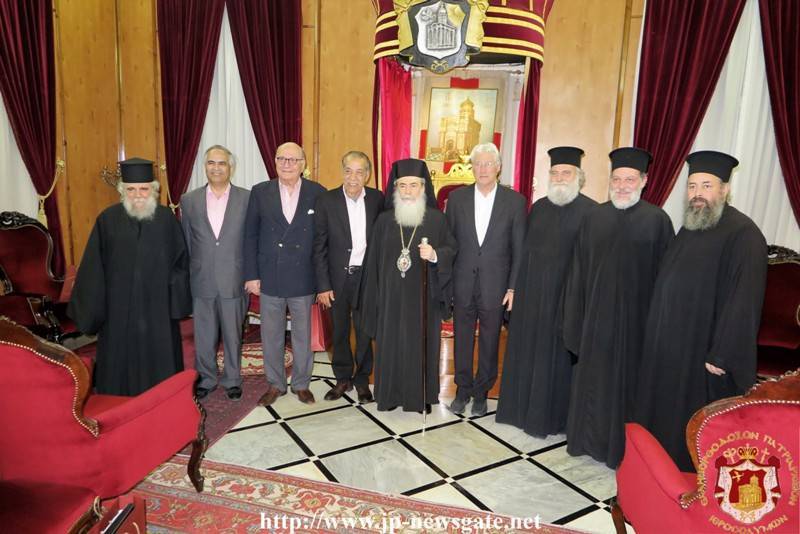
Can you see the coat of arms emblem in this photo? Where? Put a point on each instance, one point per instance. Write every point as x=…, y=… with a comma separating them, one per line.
x=748, y=490
x=440, y=35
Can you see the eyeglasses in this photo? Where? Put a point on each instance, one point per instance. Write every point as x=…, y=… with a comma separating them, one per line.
x=280, y=160
x=484, y=164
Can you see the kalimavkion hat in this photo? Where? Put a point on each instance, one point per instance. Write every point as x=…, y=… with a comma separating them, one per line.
x=717, y=163
x=136, y=171
x=632, y=157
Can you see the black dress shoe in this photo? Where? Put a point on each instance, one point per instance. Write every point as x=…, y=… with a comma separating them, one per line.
x=202, y=393
x=364, y=394
x=234, y=393
x=338, y=390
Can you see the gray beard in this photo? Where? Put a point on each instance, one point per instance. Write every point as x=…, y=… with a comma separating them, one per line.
x=563, y=194
x=409, y=213
x=703, y=218
x=144, y=214
x=625, y=204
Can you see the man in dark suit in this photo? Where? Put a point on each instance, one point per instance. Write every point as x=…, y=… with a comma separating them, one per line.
x=488, y=222
x=212, y=217
x=343, y=221
x=278, y=265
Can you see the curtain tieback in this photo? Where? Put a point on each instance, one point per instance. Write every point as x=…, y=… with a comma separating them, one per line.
x=59, y=171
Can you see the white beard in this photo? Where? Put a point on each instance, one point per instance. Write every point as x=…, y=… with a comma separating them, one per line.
x=703, y=218
x=563, y=194
x=145, y=213
x=625, y=204
x=409, y=212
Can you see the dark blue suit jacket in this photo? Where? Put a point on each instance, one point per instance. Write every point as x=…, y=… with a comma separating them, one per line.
x=277, y=253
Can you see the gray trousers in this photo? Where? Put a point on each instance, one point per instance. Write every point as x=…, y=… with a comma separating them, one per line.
x=212, y=316
x=273, y=339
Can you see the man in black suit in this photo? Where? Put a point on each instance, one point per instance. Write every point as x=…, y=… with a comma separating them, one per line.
x=278, y=266
x=343, y=221
x=488, y=222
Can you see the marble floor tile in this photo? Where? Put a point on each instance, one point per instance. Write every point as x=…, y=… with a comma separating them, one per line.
x=588, y=474
x=323, y=370
x=331, y=431
x=289, y=406
x=597, y=522
x=306, y=470
x=401, y=422
x=258, y=416
x=387, y=467
x=459, y=448
x=262, y=447
x=534, y=492
x=322, y=357
x=517, y=437
x=446, y=494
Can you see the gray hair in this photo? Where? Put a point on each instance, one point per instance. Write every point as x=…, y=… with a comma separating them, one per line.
x=486, y=148
x=357, y=154
x=581, y=176
x=231, y=158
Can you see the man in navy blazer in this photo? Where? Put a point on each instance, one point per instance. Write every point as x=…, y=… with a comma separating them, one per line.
x=342, y=228
x=278, y=266
x=488, y=222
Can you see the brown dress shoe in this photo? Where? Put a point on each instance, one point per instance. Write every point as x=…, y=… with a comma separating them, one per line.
x=270, y=396
x=338, y=390
x=305, y=396
x=364, y=394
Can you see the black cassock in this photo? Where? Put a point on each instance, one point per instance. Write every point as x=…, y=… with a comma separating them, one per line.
x=606, y=300
x=537, y=369
x=392, y=309
x=706, y=308
x=131, y=289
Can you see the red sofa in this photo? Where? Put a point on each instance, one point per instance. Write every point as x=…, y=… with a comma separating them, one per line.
x=779, y=335
x=57, y=434
x=746, y=451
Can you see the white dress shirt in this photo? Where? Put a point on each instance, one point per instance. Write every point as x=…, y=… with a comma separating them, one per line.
x=357, y=215
x=483, y=211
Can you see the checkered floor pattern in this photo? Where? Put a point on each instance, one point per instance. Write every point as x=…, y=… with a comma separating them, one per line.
x=466, y=461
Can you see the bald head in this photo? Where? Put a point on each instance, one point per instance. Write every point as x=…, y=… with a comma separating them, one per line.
x=290, y=162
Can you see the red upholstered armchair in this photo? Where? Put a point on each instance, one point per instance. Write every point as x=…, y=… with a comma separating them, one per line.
x=747, y=452
x=444, y=192
x=779, y=335
x=57, y=434
x=30, y=293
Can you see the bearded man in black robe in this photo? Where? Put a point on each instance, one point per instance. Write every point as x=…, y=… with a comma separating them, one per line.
x=615, y=262
x=700, y=342
x=392, y=292
x=132, y=287
x=537, y=370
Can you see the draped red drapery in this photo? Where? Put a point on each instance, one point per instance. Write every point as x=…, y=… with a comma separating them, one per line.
x=780, y=31
x=27, y=83
x=684, y=46
x=266, y=39
x=188, y=38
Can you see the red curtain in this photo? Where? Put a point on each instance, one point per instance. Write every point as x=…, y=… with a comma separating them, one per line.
x=526, y=133
x=780, y=30
x=27, y=83
x=188, y=38
x=684, y=46
x=266, y=38
x=395, y=113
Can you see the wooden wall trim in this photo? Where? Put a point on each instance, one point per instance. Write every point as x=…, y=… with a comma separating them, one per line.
x=621, y=78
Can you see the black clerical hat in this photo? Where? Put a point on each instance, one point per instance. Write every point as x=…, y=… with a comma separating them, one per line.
x=136, y=171
x=632, y=157
x=568, y=155
x=717, y=163
x=409, y=167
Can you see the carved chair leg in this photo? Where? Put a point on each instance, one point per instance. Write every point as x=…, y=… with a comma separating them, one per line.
x=617, y=516
x=198, y=450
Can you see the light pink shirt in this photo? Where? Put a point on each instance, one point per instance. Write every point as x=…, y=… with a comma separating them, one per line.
x=289, y=199
x=357, y=215
x=215, y=207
